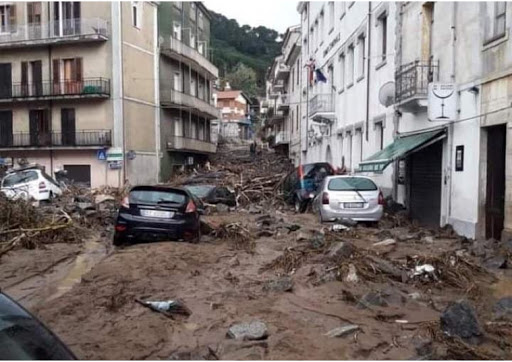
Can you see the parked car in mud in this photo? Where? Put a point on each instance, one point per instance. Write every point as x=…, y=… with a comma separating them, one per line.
x=158, y=213
x=30, y=183
x=23, y=337
x=300, y=186
x=349, y=197
x=213, y=194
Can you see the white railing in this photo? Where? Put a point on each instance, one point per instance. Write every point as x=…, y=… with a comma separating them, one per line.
x=201, y=59
x=321, y=103
x=282, y=137
x=55, y=29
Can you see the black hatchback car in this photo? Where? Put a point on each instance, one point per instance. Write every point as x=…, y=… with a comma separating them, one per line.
x=300, y=186
x=158, y=213
x=23, y=337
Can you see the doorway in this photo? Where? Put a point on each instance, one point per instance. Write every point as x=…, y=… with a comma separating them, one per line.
x=495, y=192
x=39, y=127
x=5, y=128
x=5, y=80
x=425, y=175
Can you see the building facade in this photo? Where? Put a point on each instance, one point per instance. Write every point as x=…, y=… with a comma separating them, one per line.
x=79, y=80
x=234, y=107
x=187, y=77
x=352, y=45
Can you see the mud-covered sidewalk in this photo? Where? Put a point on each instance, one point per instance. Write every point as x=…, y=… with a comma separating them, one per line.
x=393, y=292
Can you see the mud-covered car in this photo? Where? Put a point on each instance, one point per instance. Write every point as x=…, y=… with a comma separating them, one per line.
x=212, y=194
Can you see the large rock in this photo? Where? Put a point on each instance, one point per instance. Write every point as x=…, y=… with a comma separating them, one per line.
x=284, y=284
x=459, y=319
x=373, y=299
x=252, y=331
x=318, y=240
x=503, y=308
x=341, y=250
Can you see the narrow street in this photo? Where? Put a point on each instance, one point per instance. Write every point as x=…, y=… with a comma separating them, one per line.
x=263, y=262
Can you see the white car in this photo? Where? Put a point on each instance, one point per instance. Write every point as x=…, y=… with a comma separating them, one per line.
x=30, y=184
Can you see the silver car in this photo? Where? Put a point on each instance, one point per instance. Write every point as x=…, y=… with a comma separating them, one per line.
x=349, y=197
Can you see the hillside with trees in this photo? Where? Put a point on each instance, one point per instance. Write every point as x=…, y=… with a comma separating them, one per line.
x=243, y=53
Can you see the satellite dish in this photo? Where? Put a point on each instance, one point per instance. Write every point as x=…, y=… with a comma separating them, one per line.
x=387, y=94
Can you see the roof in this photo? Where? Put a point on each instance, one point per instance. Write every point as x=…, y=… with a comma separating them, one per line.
x=232, y=94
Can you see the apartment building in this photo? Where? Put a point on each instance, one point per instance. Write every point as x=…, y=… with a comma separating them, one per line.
x=234, y=106
x=64, y=95
x=187, y=77
x=342, y=120
x=112, y=92
x=461, y=175
x=284, y=96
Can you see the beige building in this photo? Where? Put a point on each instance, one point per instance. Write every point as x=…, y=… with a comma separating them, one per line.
x=79, y=80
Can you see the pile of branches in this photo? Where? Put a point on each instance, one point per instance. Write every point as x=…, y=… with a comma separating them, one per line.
x=239, y=236
x=22, y=224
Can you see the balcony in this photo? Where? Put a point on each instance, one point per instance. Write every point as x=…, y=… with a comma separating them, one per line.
x=55, y=32
x=49, y=140
x=87, y=88
x=282, y=137
x=412, y=81
x=170, y=98
x=176, y=49
x=321, y=108
x=283, y=72
x=278, y=86
x=284, y=102
x=194, y=145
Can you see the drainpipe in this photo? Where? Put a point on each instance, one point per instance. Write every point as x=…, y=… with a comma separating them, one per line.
x=451, y=127
x=369, y=46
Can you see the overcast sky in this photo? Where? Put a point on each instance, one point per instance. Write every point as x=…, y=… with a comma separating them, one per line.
x=274, y=14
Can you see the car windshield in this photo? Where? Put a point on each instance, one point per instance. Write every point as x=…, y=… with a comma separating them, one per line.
x=200, y=191
x=23, y=338
x=351, y=183
x=156, y=196
x=19, y=178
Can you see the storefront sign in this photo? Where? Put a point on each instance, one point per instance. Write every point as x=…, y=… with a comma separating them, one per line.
x=115, y=154
x=442, y=102
x=115, y=165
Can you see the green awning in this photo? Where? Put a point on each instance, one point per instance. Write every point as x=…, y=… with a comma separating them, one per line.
x=400, y=148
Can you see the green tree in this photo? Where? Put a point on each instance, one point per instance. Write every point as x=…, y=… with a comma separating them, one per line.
x=243, y=78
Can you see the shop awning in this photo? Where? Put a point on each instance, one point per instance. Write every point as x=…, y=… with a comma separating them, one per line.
x=401, y=147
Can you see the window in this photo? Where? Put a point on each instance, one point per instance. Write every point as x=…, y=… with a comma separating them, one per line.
x=342, y=71
x=322, y=26
x=177, y=81
x=350, y=3
x=192, y=11
x=500, y=10
x=176, y=30
x=361, y=57
x=343, y=6
x=200, y=22
x=350, y=65
x=296, y=117
x=137, y=14
x=330, y=77
x=383, y=26
x=193, y=87
x=379, y=136
x=292, y=70
x=7, y=18
x=358, y=144
x=68, y=127
x=298, y=70
x=331, y=15
x=495, y=26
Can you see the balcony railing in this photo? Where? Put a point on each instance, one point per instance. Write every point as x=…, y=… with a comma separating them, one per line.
x=55, y=31
x=201, y=58
x=181, y=143
x=88, y=87
x=283, y=71
x=83, y=138
x=321, y=103
x=284, y=102
x=412, y=79
x=170, y=97
x=282, y=138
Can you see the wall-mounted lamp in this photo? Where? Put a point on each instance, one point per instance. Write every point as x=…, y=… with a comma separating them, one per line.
x=474, y=90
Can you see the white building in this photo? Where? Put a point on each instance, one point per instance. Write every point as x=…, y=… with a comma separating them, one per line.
x=352, y=44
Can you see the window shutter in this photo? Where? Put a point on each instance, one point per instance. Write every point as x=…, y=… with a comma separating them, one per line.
x=78, y=69
x=76, y=10
x=12, y=17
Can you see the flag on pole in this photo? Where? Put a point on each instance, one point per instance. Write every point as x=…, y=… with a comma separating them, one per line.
x=320, y=77
x=311, y=68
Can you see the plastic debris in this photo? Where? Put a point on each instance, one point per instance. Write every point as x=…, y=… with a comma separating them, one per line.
x=423, y=269
x=167, y=308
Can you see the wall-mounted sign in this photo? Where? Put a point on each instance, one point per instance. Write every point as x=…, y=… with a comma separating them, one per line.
x=459, y=158
x=115, y=154
x=442, y=102
x=115, y=165
x=131, y=155
x=101, y=155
